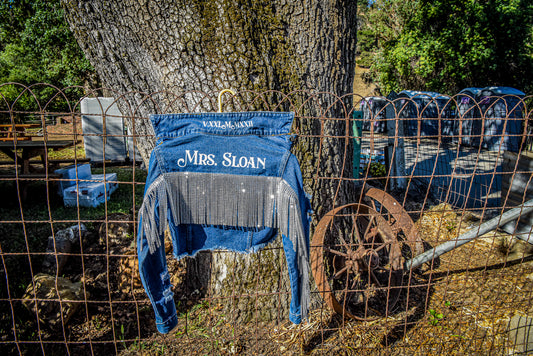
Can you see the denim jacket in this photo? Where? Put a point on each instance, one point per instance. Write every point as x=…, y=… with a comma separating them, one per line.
x=222, y=181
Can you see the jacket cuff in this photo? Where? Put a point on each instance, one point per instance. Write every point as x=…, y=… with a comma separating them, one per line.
x=295, y=318
x=169, y=324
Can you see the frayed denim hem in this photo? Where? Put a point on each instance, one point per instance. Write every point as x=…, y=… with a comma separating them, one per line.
x=295, y=318
x=167, y=326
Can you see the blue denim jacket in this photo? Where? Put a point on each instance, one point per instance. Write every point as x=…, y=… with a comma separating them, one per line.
x=222, y=181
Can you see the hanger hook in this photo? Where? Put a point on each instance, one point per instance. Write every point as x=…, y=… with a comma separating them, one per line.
x=220, y=97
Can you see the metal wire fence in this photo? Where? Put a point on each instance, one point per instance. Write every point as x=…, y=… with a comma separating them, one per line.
x=387, y=186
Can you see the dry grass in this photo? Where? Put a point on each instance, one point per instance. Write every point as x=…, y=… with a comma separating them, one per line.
x=359, y=86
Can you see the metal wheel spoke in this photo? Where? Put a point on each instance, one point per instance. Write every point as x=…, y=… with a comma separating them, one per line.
x=338, y=253
x=374, y=205
x=374, y=278
x=342, y=239
x=354, y=283
x=380, y=247
x=339, y=273
x=371, y=235
x=356, y=230
x=369, y=225
x=396, y=228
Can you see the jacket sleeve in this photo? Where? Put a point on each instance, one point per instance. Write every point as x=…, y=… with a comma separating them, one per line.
x=154, y=272
x=297, y=250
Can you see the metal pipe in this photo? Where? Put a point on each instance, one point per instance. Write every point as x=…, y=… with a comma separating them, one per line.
x=470, y=235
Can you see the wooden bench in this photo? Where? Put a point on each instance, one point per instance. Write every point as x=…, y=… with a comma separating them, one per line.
x=69, y=161
x=52, y=162
x=31, y=176
x=8, y=132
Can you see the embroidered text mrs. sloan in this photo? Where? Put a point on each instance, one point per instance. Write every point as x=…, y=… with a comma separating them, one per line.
x=197, y=158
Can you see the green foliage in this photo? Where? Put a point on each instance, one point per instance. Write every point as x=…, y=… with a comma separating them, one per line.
x=364, y=60
x=37, y=46
x=446, y=45
x=435, y=317
x=377, y=169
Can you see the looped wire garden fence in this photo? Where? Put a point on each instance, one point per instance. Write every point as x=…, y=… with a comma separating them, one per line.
x=387, y=183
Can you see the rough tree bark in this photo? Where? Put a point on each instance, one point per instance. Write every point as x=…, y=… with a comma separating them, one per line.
x=209, y=45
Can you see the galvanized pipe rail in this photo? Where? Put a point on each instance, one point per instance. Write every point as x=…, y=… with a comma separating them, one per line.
x=470, y=235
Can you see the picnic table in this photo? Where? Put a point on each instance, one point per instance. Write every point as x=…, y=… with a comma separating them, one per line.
x=30, y=149
x=23, y=151
x=10, y=132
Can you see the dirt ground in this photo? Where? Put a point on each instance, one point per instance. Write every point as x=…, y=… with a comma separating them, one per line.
x=359, y=86
x=461, y=305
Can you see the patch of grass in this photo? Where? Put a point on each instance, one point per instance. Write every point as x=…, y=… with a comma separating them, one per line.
x=25, y=228
x=71, y=152
x=68, y=153
x=377, y=169
x=129, y=194
x=451, y=225
x=435, y=317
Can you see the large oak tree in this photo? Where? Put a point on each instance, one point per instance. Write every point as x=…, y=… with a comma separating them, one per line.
x=206, y=45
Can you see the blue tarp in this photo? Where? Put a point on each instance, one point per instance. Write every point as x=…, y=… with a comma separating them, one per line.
x=374, y=114
x=431, y=112
x=491, y=117
x=468, y=114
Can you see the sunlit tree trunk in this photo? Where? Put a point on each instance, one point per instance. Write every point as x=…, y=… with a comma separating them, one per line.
x=177, y=46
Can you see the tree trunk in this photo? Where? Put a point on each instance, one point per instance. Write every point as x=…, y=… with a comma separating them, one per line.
x=180, y=46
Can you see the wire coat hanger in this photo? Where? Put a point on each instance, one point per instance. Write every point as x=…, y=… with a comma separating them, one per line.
x=220, y=97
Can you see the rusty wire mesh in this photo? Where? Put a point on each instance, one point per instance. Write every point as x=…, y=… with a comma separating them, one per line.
x=445, y=172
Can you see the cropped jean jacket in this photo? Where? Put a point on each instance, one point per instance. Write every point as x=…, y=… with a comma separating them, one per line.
x=222, y=181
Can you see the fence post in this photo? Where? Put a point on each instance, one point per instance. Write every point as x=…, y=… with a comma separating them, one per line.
x=395, y=146
x=357, y=134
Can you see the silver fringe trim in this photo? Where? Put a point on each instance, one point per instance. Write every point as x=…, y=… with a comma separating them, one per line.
x=230, y=200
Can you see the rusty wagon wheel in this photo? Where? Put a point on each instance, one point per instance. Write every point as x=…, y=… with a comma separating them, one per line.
x=399, y=220
x=357, y=262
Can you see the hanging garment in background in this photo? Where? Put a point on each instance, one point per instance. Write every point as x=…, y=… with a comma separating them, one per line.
x=222, y=181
